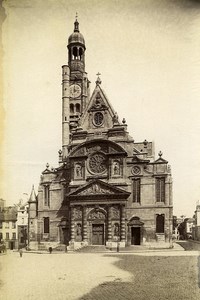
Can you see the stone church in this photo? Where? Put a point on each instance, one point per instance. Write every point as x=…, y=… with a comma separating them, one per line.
x=107, y=188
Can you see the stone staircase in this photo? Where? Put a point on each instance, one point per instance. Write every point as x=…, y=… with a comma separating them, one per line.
x=42, y=247
x=93, y=249
x=56, y=247
x=133, y=248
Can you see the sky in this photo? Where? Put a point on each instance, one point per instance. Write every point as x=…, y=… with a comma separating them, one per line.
x=148, y=54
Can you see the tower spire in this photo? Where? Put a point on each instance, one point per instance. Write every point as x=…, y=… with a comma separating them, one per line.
x=76, y=24
x=33, y=195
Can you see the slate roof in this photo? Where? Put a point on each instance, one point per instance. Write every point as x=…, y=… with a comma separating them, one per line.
x=8, y=214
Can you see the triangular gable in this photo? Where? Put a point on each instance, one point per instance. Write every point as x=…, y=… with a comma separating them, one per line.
x=98, y=188
x=98, y=102
x=160, y=160
x=47, y=171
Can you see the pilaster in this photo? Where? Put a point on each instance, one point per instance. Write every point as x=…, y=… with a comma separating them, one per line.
x=122, y=224
x=85, y=235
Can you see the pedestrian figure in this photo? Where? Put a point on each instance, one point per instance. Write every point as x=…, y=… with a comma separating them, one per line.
x=50, y=250
x=117, y=246
x=20, y=252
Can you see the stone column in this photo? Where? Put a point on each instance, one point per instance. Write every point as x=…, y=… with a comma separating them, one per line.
x=109, y=224
x=122, y=224
x=72, y=224
x=85, y=234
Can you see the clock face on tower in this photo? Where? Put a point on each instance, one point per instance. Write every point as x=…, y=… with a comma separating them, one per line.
x=75, y=90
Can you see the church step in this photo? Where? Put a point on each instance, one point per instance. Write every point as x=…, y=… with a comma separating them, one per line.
x=89, y=249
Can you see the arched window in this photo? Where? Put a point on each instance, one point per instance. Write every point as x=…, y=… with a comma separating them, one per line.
x=77, y=107
x=160, y=223
x=80, y=53
x=75, y=52
x=71, y=107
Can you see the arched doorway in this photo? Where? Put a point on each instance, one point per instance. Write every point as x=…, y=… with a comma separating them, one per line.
x=135, y=231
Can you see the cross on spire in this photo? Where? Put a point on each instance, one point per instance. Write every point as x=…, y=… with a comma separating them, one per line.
x=76, y=16
x=98, y=81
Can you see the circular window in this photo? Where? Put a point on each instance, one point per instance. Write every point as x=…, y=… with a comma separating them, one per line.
x=97, y=163
x=98, y=119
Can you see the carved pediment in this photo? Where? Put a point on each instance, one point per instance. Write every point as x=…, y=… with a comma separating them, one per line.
x=98, y=103
x=160, y=160
x=98, y=188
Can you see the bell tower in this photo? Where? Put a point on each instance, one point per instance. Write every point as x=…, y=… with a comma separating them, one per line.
x=76, y=53
x=75, y=86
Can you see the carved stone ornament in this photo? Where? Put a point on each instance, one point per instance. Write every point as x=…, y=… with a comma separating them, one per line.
x=96, y=148
x=115, y=213
x=97, y=163
x=78, y=171
x=79, y=152
x=77, y=213
x=96, y=189
x=136, y=170
x=96, y=215
x=98, y=103
x=116, y=168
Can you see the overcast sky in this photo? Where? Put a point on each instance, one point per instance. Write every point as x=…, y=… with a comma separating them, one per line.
x=148, y=53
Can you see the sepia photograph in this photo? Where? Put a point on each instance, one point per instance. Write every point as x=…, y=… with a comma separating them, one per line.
x=100, y=149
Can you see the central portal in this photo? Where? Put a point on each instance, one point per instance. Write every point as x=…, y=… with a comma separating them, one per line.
x=97, y=234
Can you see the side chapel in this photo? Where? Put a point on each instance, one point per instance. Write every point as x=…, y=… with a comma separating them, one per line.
x=107, y=187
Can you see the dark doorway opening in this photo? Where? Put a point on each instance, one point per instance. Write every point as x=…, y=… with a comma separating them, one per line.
x=135, y=235
x=160, y=224
x=65, y=236
x=12, y=245
x=97, y=234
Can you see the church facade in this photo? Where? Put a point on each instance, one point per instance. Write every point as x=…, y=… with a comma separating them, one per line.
x=108, y=188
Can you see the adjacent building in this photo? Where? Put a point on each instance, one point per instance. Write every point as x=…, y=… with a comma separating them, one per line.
x=196, y=227
x=189, y=224
x=8, y=227
x=22, y=224
x=108, y=187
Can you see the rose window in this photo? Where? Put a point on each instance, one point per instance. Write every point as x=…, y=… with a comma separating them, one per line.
x=97, y=163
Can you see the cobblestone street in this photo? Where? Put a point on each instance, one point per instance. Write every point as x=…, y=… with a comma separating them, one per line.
x=84, y=276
